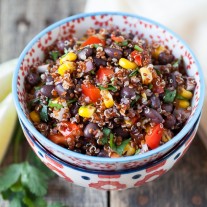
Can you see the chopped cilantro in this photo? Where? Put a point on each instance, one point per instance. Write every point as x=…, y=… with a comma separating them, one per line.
x=71, y=101
x=138, y=48
x=96, y=45
x=106, y=133
x=134, y=72
x=118, y=148
x=169, y=96
x=110, y=88
x=54, y=55
x=135, y=100
x=44, y=113
x=54, y=104
x=124, y=43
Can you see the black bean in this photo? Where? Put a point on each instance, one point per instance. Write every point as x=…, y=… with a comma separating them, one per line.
x=155, y=102
x=60, y=90
x=181, y=114
x=89, y=66
x=113, y=52
x=167, y=107
x=85, y=53
x=172, y=83
x=170, y=121
x=60, y=45
x=74, y=109
x=46, y=90
x=103, y=153
x=49, y=79
x=165, y=58
x=33, y=78
x=127, y=92
x=120, y=132
x=153, y=115
x=127, y=51
x=99, y=62
x=88, y=131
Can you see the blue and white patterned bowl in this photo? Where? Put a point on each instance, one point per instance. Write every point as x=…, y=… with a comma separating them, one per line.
x=76, y=25
x=111, y=180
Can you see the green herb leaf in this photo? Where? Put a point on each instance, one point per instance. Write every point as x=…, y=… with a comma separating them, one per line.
x=54, y=55
x=138, y=48
x=40, y=202
x=169, y=96
x=135, y=100
x=111, y=142
x=124, y=43
x=33, y=102
x=37, y=88
x=16, y=202
x=120, y=148
x=28, y=202
x=137, y=151
x=54, y=104
x=56, y=205
x=44, y=113
x=150, y=86
x=106, y=132
x=177, y=62
x=71, y=101
x=134, y=72
x=34, y=180
x=110, y=88
x=158, y=71
x=96, y=45
x=10, y=176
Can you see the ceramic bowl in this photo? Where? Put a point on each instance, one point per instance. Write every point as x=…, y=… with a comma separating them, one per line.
x=76, y=25
x=111, y=180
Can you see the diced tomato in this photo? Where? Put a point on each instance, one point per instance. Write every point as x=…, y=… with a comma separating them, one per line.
x=93, y=40
x=157, y=87
x=137, y=57
x=91, y=91
x=117, y=39
x=154, y=136
x=58, y=139
x=68, y=129
x=104, y=72
x=134, y=119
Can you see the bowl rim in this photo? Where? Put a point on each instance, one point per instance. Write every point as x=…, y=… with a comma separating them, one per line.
x=115, y=172
x=67, y=152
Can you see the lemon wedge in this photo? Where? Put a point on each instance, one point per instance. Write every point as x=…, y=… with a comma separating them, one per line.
x=6, y=72
x=7, y=123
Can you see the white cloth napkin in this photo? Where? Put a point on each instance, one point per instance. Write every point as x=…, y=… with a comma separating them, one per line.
x=188, y=18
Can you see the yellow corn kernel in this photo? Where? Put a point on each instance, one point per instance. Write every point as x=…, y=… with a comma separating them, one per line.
x=185, y=94
x=182, y=104
x=129, y=150
x=144, y=95
x=35, y=117
x=146, y=75
x=157, y=51
x=124, y=63
x=71, y=56
x=107, y=98
x=86, y=111
x=166, y=135
x=67, y=66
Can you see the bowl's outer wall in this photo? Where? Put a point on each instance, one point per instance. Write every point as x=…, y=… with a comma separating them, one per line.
x=117, y=180
x=76, y=25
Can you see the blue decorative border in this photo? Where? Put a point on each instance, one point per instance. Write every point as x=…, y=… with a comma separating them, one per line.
x=178, y=137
